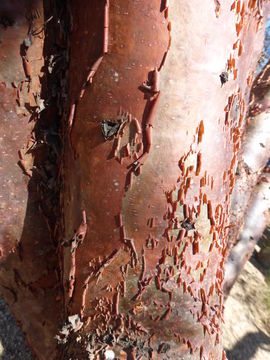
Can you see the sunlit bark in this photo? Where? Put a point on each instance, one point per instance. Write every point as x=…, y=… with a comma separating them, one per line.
x=143, y=274
x=155, y=100
x=250, y=198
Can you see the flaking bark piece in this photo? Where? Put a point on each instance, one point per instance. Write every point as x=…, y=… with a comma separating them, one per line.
x=75, y=322
x=109, y=128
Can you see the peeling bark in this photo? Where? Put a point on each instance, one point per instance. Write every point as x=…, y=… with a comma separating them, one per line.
x=250, y=180
x=254, y=154
x=157, y=194
x=121, y=227
x=29, y=276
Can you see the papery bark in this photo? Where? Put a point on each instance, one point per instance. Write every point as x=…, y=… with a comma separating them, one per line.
x=249, y=181
x=254, y=154
x=29, y=280
x=151, y=144
x=147, y=278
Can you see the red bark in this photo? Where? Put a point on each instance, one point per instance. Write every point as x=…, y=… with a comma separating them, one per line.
x=29, y=280
x=153, y=125
x=156, y=200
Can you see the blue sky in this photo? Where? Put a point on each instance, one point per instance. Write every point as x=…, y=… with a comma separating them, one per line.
x=266, y=49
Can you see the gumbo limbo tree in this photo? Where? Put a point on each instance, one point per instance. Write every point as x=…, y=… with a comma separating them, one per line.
x=122, y=134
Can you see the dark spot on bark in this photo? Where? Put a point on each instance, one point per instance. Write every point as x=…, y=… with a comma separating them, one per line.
x=247, y=168
x=108, y=339
x=163, y=348
x=109, y=128
x=224, y=77
x=188, y=225
x=6, y=21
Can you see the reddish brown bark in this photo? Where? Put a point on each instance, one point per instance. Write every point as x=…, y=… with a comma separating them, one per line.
x=157, y=194
x=150, y=151
x=28, y=258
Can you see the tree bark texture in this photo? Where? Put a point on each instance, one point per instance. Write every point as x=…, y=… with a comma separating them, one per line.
x=256, y=220
x=250, y=200
x=29, y=279
x=130, y=257
x=150, y=204
x=254, y=154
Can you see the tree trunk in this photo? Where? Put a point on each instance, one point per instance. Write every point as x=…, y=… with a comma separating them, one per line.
x=250, y=198
x=29, y=276
x=150, y=159
x=256, y=220
x=154, y=116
